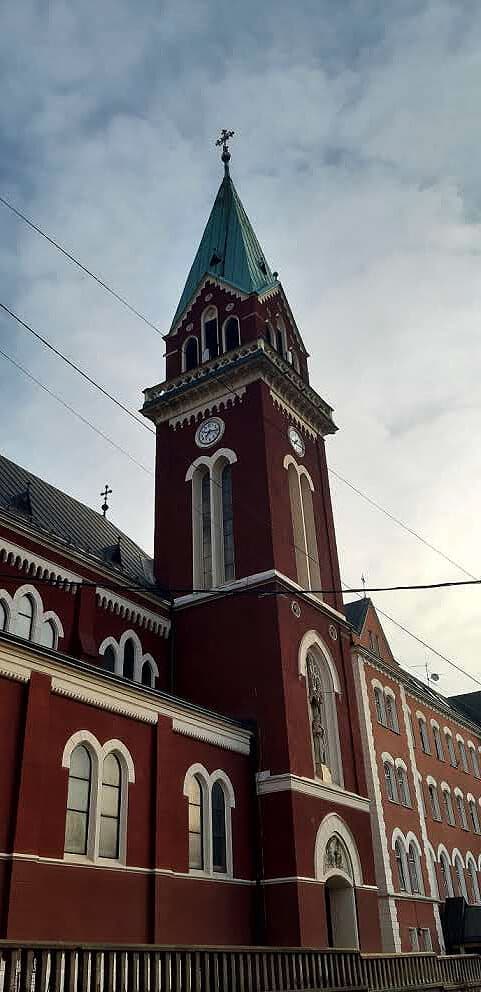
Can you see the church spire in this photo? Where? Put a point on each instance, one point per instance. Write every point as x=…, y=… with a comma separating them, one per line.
x=229, y=249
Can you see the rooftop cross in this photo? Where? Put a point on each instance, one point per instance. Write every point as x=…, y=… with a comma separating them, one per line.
x=106, y=492
x=223, y=140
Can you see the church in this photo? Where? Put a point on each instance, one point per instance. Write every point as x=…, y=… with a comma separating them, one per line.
x=184, y=746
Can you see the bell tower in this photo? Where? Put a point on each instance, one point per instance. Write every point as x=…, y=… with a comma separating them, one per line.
x=245, y=548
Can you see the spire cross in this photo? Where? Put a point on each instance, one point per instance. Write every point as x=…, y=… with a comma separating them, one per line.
x=106, y=492
x=223, y=140
x=363, y=580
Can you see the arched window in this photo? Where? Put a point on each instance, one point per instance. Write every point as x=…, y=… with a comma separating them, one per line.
x=401, y=865
x=280, y=340
x=438, y=745
x=227, y=523
x=403, y=786
x=212, y=519
x=110, y=808
x=24, y=618
x=390, y=782
x=206, y=512
x=147, y=674
x=210, y=334
x=414, y=868
x=473, y=812
x=323, y=714
x=461, y=811
x=270, y=334
x=450, y=744
x=460, y=879
x=231, y=334
x=391, y=713
x=379, y=702
x=446, y=875
x=474, y=761
x=3, y=616
x=196, y=824
x=433, y=876
x=47, y=634
x=423, y=735
x=109, y=659
x=78, y=801
x=434, y=801
x=462, y=755
x=219, y=848
x=448, y=804
x=129, y=660
x=303, y=526
x=473, y=879
x=191, y=354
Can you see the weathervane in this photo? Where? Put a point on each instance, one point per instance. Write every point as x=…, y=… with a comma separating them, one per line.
x=107, y=492
x=223, y=140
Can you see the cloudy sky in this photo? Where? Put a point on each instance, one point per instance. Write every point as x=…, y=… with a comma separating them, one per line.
x=357, y=156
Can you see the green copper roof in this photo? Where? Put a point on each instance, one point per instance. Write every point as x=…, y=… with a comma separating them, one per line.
x=229, y=249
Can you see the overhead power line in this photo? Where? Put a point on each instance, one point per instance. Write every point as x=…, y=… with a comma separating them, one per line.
x=75, y=367
x=400, y=523
x=80, y=265
x=145, y=320
x=75, y=413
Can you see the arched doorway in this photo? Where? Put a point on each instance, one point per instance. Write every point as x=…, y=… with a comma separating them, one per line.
x=341, y=912
x=339, y=867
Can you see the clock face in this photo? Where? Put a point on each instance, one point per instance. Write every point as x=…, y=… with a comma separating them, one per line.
x=209, y=432
x=297, y=442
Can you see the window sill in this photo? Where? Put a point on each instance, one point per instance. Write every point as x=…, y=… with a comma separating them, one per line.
x=212, y=875
x=85, y=859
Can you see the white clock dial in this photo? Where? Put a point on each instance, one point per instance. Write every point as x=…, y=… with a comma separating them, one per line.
x=209, y=431
x=297, y=442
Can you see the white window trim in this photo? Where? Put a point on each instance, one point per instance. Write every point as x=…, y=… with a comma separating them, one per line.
x=389, y=693
x=98, y=753
x=207, y=783
x=139, y=657
x=39, y=615
x=471, y=860
x=310, y=547
x=213, y=464
x=209, y=309
x=230, y=316
x=191, y=337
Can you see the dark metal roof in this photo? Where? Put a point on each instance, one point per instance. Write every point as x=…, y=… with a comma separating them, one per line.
x=356, y=613
x=229, y=250
x=52, y=513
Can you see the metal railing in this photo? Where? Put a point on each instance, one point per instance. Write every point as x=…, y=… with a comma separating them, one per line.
x=28, y=967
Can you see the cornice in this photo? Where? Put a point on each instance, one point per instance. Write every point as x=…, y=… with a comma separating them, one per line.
x=35, y=566
x=260, y=579
x=215, y=404
x=108, y=600
x=102, y=690
x=239, y=367
x=293, y=415
x=319, y=790
x=200, y=731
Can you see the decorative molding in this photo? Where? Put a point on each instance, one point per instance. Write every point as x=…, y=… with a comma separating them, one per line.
x=260, y=578
x=112, y=694
x=291, y=413
x=214, y=405
x=64, y=687
x=203, y=732
x=37, y=567
x=208, y=280
x=433, y=885
x=104, y=864
x=108, y=600
x=388, y=918
x=310, y=787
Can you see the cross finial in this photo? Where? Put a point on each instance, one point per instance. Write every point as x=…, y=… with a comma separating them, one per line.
x=363, y=580
x=106, y=492
x=223, y=140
